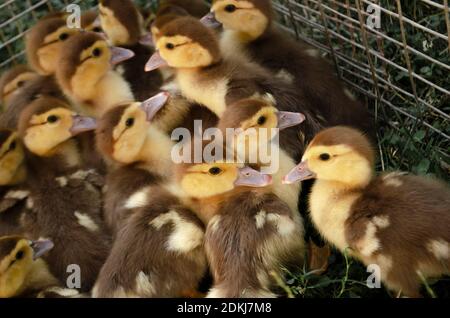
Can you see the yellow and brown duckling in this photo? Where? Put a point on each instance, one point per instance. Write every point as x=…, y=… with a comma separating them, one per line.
x=158, y=250
x=250, y=233
x=13, y=194
x=206, y=77
x=12, y=82
x=22, y=270
x=65, y=200
x=397, y=221
x=250, y=30
x=44, y=42
x=87, y=76
x=122, y=23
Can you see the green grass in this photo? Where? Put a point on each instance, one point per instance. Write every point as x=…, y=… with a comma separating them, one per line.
x=404, y=143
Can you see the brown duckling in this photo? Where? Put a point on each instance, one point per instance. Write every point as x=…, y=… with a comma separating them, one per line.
x=122, y=23
x=195, y=8
x=44, y=42
x=65, y=201
x=90, y=21
x=12, y=82
x=23, y=272
x=250, y=233
x=13, y=194
x=86, y=73
x=397, y=221
x=208, y=78
x=158, y=250
x=250, y=29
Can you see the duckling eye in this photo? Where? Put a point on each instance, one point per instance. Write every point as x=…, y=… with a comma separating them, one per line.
x=262, y=120
x=215, y=171
x=19, y=255
x=97, y=29
x=20, y=83
x=12, y=145
x=170, y=46
x=230, y=8
x=97, y=52
x=63, y=36
x=130, y=122
x=324, y=157
x=52, y=119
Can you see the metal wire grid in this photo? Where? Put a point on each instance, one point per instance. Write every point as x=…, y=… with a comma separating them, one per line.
x=390, y=65
x=382, y=64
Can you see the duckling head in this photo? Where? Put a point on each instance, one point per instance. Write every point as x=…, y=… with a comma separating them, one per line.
x=17, y=259
x=13, y=81
x=44, y=43
x=166, y=13
x=90, y=21
x=256, y=119
x=248, y=17
x=206, y=180
x=11, y=158
x=122, y=131
x=88, y=57
x=185, y=43
x=121, y=21
x=339, y=154
x=48, y=122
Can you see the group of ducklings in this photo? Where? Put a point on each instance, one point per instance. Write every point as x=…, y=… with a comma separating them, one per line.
x=89, y=187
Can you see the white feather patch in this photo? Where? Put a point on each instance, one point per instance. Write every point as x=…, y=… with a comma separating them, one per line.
x=86, y=221
x=138, y=200
x=439, y=248
x=144, y=286
x=18, y=195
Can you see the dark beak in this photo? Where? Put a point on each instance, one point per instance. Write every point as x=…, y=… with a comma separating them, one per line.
x=154, y=104
x=289, y=119
x=81, y=124
x=210, y=21
x=299, y=173
x=41, y=247
x=155, y=62
x=119, y=55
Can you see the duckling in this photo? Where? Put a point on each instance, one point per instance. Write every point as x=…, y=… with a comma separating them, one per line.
x=207, y=78
x=22, y=270
x=12, y=82
x=44, y=42
x=86, y=73
x=122, y=22
x=397, y=221
x=195, y=8
x=12, y=176
x=90, y=21
x=251, y=234
x=256, y=121
x=65, y=200
x=250, y=29
x=169, y=260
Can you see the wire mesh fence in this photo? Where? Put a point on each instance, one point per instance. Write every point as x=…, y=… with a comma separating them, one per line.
x=401, y=66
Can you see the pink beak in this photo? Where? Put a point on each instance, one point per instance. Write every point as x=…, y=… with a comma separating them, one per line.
x=82, y=124
x=210, y=21
x=289, y=119
x=155, y=62
x=299, y=173
x=146, y=39
x=119, y=55
x=249, y=177
x=154, y=104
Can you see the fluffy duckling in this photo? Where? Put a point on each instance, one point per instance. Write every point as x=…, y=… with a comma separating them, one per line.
x=12, y=82
x=207, y=78
x=257, y=121
x=65, y=200
x=22, y=270
x=249, y=29
x=397, y=221
x=169, y=260
x=44, y=42
x=12, y=176
x=122, y=23
x=250, y=233
x=86, y=73
x=90, y=21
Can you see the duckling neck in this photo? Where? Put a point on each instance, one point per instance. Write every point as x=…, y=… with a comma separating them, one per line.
x=156, y=153
x=20, y=175
x=69, y=153
x=39, y=277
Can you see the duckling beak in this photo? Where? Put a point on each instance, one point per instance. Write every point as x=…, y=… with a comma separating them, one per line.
x=119, y=55
x=289, y=119
x=81, y=124
x=152, y=105
x=155, y=62
x=210, y=21
x=299, y=173
x=41, y=247
x=249, y=177
x=146, y=39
